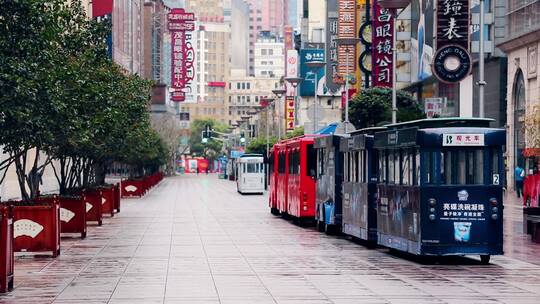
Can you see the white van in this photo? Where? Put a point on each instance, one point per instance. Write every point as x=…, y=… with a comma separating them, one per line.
x=250, y=174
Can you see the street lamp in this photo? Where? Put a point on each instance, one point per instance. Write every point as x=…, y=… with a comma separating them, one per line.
x=295, y=81
x=393, y=6
x=279, y=94
x=268, y=101
x=347, y=42
x=315, y=66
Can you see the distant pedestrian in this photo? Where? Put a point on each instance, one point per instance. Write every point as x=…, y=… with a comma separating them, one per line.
x=197, y=170
x=520, y=176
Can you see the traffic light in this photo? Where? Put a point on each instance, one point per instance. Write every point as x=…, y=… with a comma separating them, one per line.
x=242, y=137
x=206, y=134
x=297, y=41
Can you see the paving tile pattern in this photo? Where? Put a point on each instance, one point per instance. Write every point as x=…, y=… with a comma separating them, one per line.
x=193, y=239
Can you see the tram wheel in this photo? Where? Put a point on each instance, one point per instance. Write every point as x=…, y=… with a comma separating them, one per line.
x=274, y=211
x=320, y=226
x=485, y=259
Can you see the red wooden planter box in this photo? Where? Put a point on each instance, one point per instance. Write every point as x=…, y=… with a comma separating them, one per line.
x=93, y=205
x=132, y=188
x=36, y=227
x=117, y=197
x=107, y=200
x=6, y=249
x=72, y=213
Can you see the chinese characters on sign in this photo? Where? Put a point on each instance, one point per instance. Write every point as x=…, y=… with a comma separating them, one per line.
x=453, y=23
x=289, y=113
x=183, y=56
x=346, y=28
x=291, y=69
x=382, y=45
x=332, y=76
x=463, y=211
x=433, y=106
x=452, y=140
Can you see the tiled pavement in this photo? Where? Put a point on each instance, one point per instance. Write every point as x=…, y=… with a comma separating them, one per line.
x=195, y=240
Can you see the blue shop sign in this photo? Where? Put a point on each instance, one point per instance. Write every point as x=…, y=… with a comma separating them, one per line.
x=307, y=87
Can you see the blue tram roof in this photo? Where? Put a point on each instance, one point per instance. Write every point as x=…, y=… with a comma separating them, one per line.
x=433, y=137
x=443, y=122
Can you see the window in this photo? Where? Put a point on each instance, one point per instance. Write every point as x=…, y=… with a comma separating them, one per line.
x=263, y=52
x=248, y=85
x=311, y=161
x=294, y=163
x=462, y=167
x=382, y=165
x=281, y=163
x=391, y=167
x=253, y=168
x=374, y=165
x=430, y=166
x=270, y=52
x=238, y=85
x=320, y=162
x=494, y=168
x=243, y=85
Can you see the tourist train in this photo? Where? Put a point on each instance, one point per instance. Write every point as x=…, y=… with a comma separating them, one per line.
x=427, y=187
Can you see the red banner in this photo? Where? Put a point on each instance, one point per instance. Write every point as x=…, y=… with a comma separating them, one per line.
x=182, y=52
x=382, y=45
x=289, y=113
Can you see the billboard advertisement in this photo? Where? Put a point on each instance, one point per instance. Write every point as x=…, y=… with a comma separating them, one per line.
x=307, y=87
x=291, y=66
x=422, y=45
x=332, y=47
x=183, y=56
x=289, y=113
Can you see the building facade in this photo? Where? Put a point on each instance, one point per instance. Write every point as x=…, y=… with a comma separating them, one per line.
x=128, y=34
x=269, y=56
x=523, y=86
x=246, y=95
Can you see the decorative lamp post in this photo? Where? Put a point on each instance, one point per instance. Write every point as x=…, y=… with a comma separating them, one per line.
x=347, y=42
x=295, y=81
x=315, y=66
x=268, y=101
x=279, y=94
x=393, y=6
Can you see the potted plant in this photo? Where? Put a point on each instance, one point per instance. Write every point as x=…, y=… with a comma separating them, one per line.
x=6, y=249
x=36, y=226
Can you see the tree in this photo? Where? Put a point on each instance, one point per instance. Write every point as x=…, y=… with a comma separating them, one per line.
x=258, y=145
x=298, y=131
x=373, y=107
x=213, y=147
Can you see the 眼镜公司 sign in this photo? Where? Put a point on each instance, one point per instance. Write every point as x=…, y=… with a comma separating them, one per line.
x=382, y=47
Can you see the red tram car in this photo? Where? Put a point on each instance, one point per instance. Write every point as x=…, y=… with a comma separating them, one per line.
x=292, y=186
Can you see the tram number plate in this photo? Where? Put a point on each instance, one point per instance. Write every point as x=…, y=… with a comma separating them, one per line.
x=496, y=180
x=452, y=140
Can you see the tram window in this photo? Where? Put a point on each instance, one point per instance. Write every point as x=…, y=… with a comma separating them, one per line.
x=320, y=162
x=354, y=164
x=382, y=165
x=281, y=163
x=271, y=164
x=430, y=159
x=391, y=167
x=374, y=165
x=462, y=167
x=494, y=169
x=407, y=167
x=311, y=161
x=251, y=168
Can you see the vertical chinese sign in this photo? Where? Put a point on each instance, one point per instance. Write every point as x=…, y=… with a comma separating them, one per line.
x=452, y=61
x=382, y=45
x=182, y=53
x=333, y=82
x=289, y=113
x=453, y=23
x=346, y=29
x=291, y=72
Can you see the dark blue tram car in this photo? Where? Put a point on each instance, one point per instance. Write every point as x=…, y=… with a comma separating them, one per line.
x=329, y=177
x=360, y=171
x=439, y=189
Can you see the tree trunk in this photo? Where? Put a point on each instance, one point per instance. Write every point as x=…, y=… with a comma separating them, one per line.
x=100, y=169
